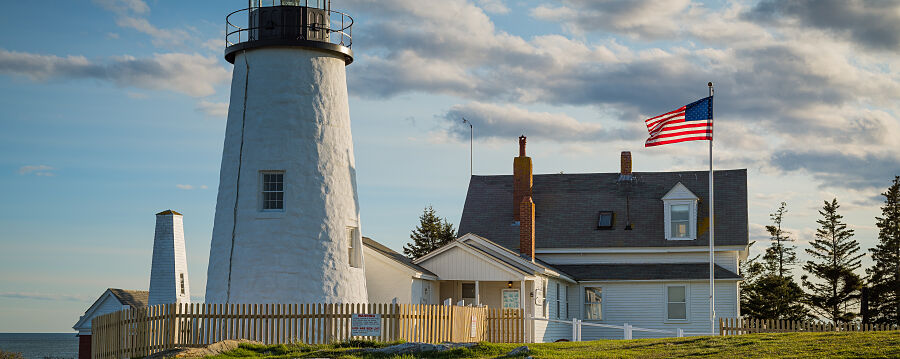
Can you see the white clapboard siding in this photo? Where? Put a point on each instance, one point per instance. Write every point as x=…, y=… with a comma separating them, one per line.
x=643, y=304
x=725, y=259
x=547, y=332
x=387, y=280
x=460, y=264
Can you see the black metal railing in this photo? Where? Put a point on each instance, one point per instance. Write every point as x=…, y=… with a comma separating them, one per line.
x=289, y=22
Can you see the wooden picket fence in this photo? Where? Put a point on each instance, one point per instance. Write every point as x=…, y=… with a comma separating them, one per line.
x=138, y=332
x=738, y=326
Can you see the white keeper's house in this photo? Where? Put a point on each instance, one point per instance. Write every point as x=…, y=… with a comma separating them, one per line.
x=609, y=248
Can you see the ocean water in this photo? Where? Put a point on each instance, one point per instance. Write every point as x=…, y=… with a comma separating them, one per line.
x=41, y=345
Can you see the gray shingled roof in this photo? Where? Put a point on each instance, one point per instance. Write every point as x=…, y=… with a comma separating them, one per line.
x=654, y=271
x=133, y=298
x=387, y=252
x=567, y=207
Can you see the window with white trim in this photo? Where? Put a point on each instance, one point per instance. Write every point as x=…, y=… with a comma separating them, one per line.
x=680, y=220
x=676, y=302
x=544, y=302
x=593, y=303
x=352, y=250
x=680, y=206
x=558, y=301
x=272, y=195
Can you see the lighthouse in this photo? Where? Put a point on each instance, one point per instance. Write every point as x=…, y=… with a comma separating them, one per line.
x=287, y=226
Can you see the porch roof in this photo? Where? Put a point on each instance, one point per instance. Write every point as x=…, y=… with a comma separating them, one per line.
x=397, y=257
x=645, y=271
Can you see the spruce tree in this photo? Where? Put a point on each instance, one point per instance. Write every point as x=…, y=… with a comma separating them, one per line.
x=835, y=255
x=773, y=297
x=884, y=276
x=781, y=254
x=431, y=233
x=769, y=292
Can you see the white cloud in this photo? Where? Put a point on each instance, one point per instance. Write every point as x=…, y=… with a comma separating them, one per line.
x=638, y=18
x=782, y=91
x=37, y=170
x=160, y=37
x=493, y=6
x=191, y=74
x=190, y=187
x=124, y=6
x=45, y=296
x=213, y=109
x=510, y=121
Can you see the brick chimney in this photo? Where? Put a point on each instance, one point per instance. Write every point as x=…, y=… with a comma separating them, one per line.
x=625, y=172
x=522, y=179
x=526, y=227
x=626, y=163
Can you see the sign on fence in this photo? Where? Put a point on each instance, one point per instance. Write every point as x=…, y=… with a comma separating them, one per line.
x=474, y=332
x=365, y=325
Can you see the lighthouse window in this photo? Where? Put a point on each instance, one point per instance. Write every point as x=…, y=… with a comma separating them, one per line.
x=182, y=283
x=273, y=191
x=352, y=253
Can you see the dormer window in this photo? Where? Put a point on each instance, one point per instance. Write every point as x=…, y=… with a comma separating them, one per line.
x=680, y=213
x=680, y=219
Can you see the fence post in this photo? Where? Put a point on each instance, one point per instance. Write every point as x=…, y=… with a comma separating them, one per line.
x=579, y=330
x=574, y=329
x=680, y=332
x=627, y=331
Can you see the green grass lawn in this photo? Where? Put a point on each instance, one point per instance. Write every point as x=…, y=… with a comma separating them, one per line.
x=791, y=345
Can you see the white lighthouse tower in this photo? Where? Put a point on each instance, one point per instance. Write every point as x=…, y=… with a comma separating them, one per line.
x=287, y=226
x=168, y=272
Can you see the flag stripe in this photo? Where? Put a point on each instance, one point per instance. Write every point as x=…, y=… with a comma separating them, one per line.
x=682, y=133
x=692, y=122
x=649, y=144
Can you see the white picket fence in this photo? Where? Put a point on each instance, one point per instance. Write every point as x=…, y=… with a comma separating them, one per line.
x=627, y=329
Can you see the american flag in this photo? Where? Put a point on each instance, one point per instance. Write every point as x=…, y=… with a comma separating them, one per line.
x=693, y=122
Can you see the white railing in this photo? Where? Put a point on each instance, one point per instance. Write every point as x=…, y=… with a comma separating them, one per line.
x=627, y=329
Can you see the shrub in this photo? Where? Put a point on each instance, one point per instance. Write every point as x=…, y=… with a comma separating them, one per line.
x=10, y=355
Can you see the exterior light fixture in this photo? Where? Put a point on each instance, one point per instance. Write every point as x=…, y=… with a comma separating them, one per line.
x=509, y=284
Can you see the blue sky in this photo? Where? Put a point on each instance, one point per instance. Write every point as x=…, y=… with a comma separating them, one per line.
x=114, y=110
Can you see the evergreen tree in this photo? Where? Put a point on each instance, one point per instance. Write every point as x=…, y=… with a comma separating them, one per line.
x=772, y=296
x=834, y=258
x=781, y=255
x=431, y=233
x=769, y=292
x=884, y=276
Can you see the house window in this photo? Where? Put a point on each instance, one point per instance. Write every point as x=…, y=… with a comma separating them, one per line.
x=468, y=293
x=510, y=298
x=272, y=191
x=680, y=213
x=545, y=304
x=680, y=220
x=676, y=301
x=558, y=301
x=593, y=298
x=352, y=255
x=607, y=220
x=182, y=283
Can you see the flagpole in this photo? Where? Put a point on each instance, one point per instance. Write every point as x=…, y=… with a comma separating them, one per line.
x=712, y=236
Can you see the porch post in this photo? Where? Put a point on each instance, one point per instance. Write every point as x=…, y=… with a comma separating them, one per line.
x=525, y=311
x=477, y=293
